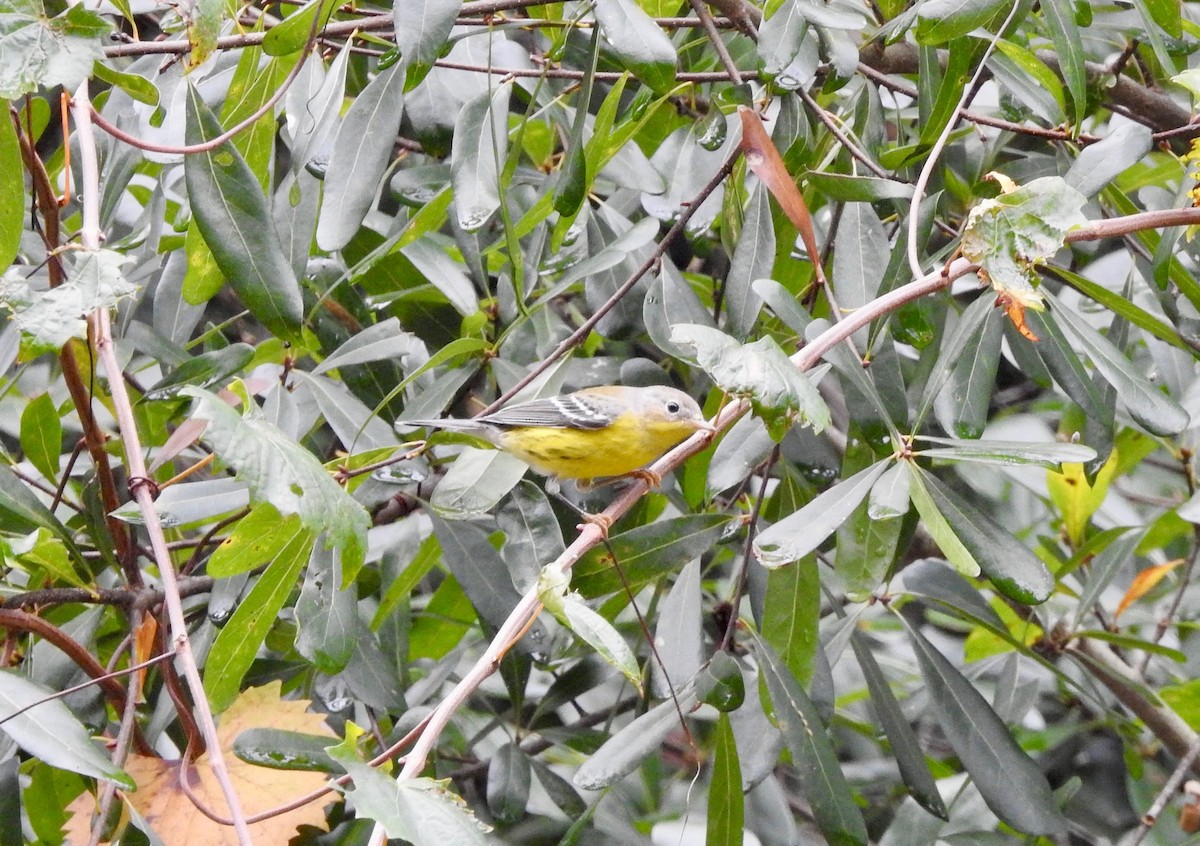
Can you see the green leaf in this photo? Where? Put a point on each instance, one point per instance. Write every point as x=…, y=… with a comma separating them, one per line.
x=939, y=528
x=421, y=811
x=963, y=403
x=239, y=640
x=41, y=435
x=12, y=190
x=1020, y=229
x=479, y=569
x=670, y=301
x=744, y=447
x=1120, y=306
x=867, y=545
x=38, y=721
x=232, y=216
x=783, y=47
x=259, y=536
x=361, y=152
x=1007, y=453
x=203, y=27
x=421, y=33
x=726, y=806
x=1011, y=566
x=1030, y=81
x=637, y=42
x=203, y=371
x=802, y=532
x=50, y=318
x=761, y=371
x=1068, y=47
x=326, y=615
x=791, y=612
x=281, y=749
x=646, y=553
x=252, y=86
x=1013, y=786
x=477, y=481
x=845, y=188
x=479, y=150
x=137, y=87
x=753, y=258
x=283, y=473
x=588, y=626
x=191, y=504
x=895, y=727
x=22, y=512
x=292, y=33
x=41, y=52
x=968, y=327
x=643, y=736
x=508, y=781
x=41, y=553
x=532, y=536
x=931, y=579
x=1159, y=413
x=939, y=21
x=825, y=788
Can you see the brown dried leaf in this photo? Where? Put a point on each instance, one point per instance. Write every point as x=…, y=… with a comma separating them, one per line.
x=763, y=158
x=170, y=812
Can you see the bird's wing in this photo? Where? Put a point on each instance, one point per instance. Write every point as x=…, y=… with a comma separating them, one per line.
x=572, y=411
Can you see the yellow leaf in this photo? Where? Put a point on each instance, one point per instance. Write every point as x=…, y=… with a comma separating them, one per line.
x=1144, y=582
x=168, y=809
x=1076, y=498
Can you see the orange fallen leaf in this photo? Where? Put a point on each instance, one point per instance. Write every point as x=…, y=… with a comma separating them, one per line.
x=170, y=812
x=1144, y=582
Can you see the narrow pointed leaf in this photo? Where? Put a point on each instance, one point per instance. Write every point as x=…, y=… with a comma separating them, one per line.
x=802, y=532
x=12, y=191
x=1159, y=413
x=753, y=258
x=480, y=147
x=1050, y=455
x=726, y=806
x=44, y=727
x=239, y=640
x=647, y=552
x=825, y=787
x=914, y=769
x=421, y=32
x=1068, y=48
x=361, y=152
x=622, y=753
x=232, y=215
x=1013, y=786
x=637, y=41
x=1011, y=566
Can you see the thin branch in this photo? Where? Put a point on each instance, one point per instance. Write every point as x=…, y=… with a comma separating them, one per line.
x=1185, y=765
x=100, y=320
x=836, y=131
x=1124, y=683
x=714, y=38
x=914, y=207
x=112, y=689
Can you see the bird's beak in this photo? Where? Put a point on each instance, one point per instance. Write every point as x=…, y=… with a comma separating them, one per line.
x=705, y=426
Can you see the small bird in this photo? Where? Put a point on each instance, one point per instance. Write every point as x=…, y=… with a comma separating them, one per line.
x=605, y=431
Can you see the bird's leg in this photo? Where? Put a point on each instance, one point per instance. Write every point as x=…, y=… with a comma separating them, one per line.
x=604, y=522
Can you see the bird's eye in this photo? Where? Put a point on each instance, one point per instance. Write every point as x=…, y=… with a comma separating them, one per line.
x=673, y=407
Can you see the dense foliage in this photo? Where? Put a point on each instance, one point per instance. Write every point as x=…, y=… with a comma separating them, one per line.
x=927, y=266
